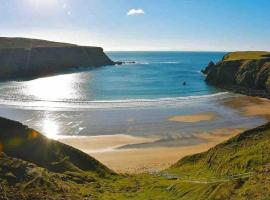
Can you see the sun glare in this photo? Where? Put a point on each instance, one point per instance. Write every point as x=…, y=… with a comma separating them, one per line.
x=50, y=128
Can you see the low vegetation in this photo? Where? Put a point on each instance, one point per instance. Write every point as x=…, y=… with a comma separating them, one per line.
x=246, y=55
x=29, y=43
x=34, y=167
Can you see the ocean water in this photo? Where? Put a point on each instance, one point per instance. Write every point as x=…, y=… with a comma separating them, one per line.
x=154, y=76
x=135, y=99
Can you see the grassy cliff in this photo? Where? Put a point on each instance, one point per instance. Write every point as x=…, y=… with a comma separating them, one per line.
x=34, y=167
x=246, y=72
x=8, y=42
x=30, y=58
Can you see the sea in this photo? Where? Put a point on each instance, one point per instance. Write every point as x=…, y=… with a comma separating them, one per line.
x=135, y=98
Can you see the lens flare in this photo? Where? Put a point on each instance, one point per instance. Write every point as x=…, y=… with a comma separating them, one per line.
x=50, y=128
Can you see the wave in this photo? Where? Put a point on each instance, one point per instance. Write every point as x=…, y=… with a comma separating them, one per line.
x=148, y=63
x=127, y=103
x=170, y=62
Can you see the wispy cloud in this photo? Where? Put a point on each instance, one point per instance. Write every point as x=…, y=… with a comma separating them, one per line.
x=135, y=12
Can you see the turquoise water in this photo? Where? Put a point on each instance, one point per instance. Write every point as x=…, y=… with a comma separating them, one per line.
x=154, y=76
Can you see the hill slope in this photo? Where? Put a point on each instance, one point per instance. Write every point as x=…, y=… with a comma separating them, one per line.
x=245, y=72
x=19, y=141
x=33, y=167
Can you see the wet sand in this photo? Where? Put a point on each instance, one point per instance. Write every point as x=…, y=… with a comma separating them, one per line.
x=198, y=117
x=251, y=106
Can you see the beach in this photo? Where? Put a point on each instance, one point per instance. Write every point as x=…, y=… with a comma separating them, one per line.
x=137, y=160
x=131, y=154
x=136, y=139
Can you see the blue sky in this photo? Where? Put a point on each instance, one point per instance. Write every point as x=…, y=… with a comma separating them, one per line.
x=213, y=25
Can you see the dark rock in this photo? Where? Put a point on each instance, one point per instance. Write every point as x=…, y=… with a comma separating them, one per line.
x=124, y=62
x=247, y=76
x=208, y=68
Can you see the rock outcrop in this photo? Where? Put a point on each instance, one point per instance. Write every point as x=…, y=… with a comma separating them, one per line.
x=243, y=72
x=26, y=58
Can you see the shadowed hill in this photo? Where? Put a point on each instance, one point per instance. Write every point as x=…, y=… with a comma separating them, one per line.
x=19, y=141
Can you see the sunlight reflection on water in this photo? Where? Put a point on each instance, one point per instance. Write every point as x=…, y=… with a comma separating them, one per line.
x=54, y=88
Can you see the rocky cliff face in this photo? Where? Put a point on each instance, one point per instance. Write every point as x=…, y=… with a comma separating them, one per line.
x=45, y=58
x=242, y=72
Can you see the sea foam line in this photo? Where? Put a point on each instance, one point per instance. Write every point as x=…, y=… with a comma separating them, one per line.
x=42, y=104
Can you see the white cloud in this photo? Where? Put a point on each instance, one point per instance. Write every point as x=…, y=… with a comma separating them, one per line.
x=135, y=12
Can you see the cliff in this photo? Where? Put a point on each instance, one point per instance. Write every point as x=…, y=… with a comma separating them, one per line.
x=28, y=58
x=243, y=72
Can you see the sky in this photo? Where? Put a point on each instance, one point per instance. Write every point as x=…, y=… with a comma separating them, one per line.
x=184, y=25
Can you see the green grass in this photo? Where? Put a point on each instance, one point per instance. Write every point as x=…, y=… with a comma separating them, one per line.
x=6, y=42
x=216, y=174
x=246, y=55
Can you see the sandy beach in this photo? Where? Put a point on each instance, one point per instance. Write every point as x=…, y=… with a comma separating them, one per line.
x=194, y=118
x=131, y=154
x=128, y=160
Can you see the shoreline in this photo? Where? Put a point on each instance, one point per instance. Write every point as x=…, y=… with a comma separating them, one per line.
x=139, y=140
x=244, y=91
x=133, y=155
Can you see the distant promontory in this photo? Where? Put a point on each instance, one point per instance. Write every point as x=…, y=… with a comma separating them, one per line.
x=246, y=72
x=30, y=58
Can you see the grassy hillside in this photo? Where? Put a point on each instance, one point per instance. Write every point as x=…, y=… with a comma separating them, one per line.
x=6, y=42
x=246, y=55
x=236, y=169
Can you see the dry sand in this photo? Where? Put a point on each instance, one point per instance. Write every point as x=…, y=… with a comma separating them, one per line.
x=104, y=149
x=92, y=144
x=194, y=118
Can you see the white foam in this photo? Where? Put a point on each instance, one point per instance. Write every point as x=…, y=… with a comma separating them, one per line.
x=148, y=63
x=170, y=62
x=111, y=103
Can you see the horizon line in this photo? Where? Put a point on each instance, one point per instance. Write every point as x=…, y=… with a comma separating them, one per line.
x=135, y=48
